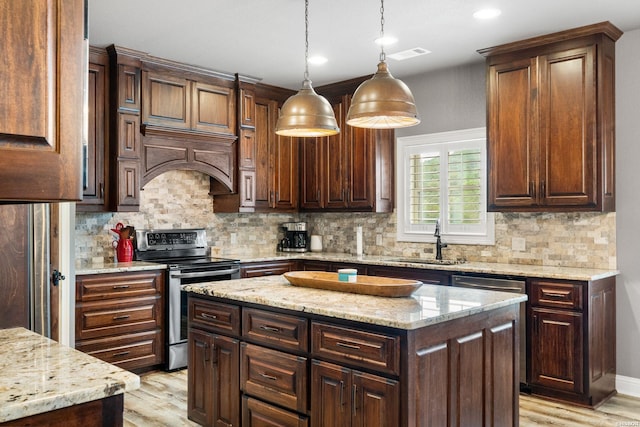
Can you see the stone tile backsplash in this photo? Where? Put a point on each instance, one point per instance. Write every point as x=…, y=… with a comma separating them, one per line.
x=180, y=199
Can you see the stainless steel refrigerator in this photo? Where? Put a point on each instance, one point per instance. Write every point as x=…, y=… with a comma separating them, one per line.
x=25, y=267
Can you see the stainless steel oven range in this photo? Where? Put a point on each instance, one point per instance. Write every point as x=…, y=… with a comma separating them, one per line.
x=185, y=251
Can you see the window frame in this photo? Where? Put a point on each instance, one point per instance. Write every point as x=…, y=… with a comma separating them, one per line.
x=405, y=146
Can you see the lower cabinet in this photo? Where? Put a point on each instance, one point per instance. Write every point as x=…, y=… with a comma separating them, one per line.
x=346, y=397
x=119, y=318
x=572, y=331
x=271, y=367
x=214, y=391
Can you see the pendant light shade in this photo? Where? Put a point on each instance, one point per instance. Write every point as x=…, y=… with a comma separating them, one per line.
x=306, y=114
x=382, y=102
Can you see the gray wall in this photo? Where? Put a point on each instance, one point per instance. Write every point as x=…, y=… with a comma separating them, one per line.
x=449, y=99
x=628, y=202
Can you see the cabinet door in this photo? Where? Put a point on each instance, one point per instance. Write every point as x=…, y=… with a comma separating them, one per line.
x=330, y=395
x=41, y=107
x=512, y=136
x=557, y=349
x=265, y=117
x=226, y=381
x=213, y=108
x=285, y=173
x=311, y=153
x=93, y=176
x=200, y=378
x=361, y=177
x=568, y=163
x=337, y=161
x=376, y=401
x=167, y=100
x=214, y=379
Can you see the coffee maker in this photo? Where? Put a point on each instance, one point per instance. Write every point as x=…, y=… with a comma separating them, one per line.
x=295, y=237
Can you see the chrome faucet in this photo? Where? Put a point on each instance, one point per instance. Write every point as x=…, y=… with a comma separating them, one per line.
x=439, y=244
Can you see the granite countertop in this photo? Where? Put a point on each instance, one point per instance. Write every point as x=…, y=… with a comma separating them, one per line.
x=521, y=270
x=41, y=375
x=116, y=267
x=429, y=305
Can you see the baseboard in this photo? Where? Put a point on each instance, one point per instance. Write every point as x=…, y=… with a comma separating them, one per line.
x=628, y=385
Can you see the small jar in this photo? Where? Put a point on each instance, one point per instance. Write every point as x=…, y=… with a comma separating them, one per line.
x=348, y=275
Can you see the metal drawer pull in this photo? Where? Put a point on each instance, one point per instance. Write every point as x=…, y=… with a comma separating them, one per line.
x=208, y=316
x=554, y=295
x=354, y=400
x=122, y=317
x=120, y=286
x=122, y=353
x=269, y=377
x=269, y=328
x=347, y=345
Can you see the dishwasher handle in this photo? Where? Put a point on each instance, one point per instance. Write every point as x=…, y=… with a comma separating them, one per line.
x=489, y=284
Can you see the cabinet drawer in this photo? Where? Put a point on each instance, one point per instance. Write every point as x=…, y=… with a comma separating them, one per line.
x=274, y=376
x=214, y=316
x=127, y=351
x=555, y=294
x=256, y=413
x=356, y=347
x=95, y=320
x=279, y=330
x=118, y=285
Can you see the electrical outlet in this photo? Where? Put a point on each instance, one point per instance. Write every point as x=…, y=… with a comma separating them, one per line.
x=234, y=238
x=518, y=244
x=378, y=239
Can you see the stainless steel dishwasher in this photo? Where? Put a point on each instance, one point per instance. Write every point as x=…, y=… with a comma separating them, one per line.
x=502, y=285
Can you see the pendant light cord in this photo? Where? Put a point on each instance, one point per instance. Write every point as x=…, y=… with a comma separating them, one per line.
x=306, y=39
x=382, y=55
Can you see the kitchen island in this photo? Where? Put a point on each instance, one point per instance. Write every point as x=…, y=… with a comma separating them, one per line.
x=261, y=348
x=46, y=383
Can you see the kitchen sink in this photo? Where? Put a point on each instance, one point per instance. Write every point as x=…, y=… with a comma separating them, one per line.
x=427, y=261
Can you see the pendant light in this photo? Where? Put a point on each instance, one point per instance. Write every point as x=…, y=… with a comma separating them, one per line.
x=306, y=114
x=382, y=102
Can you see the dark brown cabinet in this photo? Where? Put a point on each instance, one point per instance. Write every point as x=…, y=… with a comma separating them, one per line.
x=42, y=100
x=345, y=397
x=96, y=150
x=276, y=156
x=267, y=268
x=572, y=339
x=214, y=393
x=125, y=146
x=550, y=120
x=119, y=318
x=352, y=170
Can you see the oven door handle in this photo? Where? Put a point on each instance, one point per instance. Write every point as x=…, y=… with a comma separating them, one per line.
x=212, y=273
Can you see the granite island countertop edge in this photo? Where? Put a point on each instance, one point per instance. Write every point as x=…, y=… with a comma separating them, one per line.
x=429, y=305
x=40, y=375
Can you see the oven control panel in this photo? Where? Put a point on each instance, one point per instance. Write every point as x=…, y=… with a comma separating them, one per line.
x=165, y=240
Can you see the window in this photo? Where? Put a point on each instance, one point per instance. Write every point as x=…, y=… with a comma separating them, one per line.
x=443, y=176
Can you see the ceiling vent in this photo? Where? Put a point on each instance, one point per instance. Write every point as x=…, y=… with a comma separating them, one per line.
x=410, y=53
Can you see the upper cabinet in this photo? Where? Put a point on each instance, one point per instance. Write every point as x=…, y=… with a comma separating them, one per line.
x=44, y=47
x=550, y=122
x=352, y=170
x=95, y=151
x=267, y=163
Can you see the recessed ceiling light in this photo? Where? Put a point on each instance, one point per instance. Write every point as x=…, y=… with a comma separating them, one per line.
x=386, y=40
x=410, y=53
x=488, y=13
x=317, y=60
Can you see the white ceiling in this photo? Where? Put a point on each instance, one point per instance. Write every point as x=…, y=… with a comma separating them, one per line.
x=265, y=38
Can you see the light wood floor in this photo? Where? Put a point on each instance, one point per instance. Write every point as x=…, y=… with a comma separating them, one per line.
x=161, y=400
